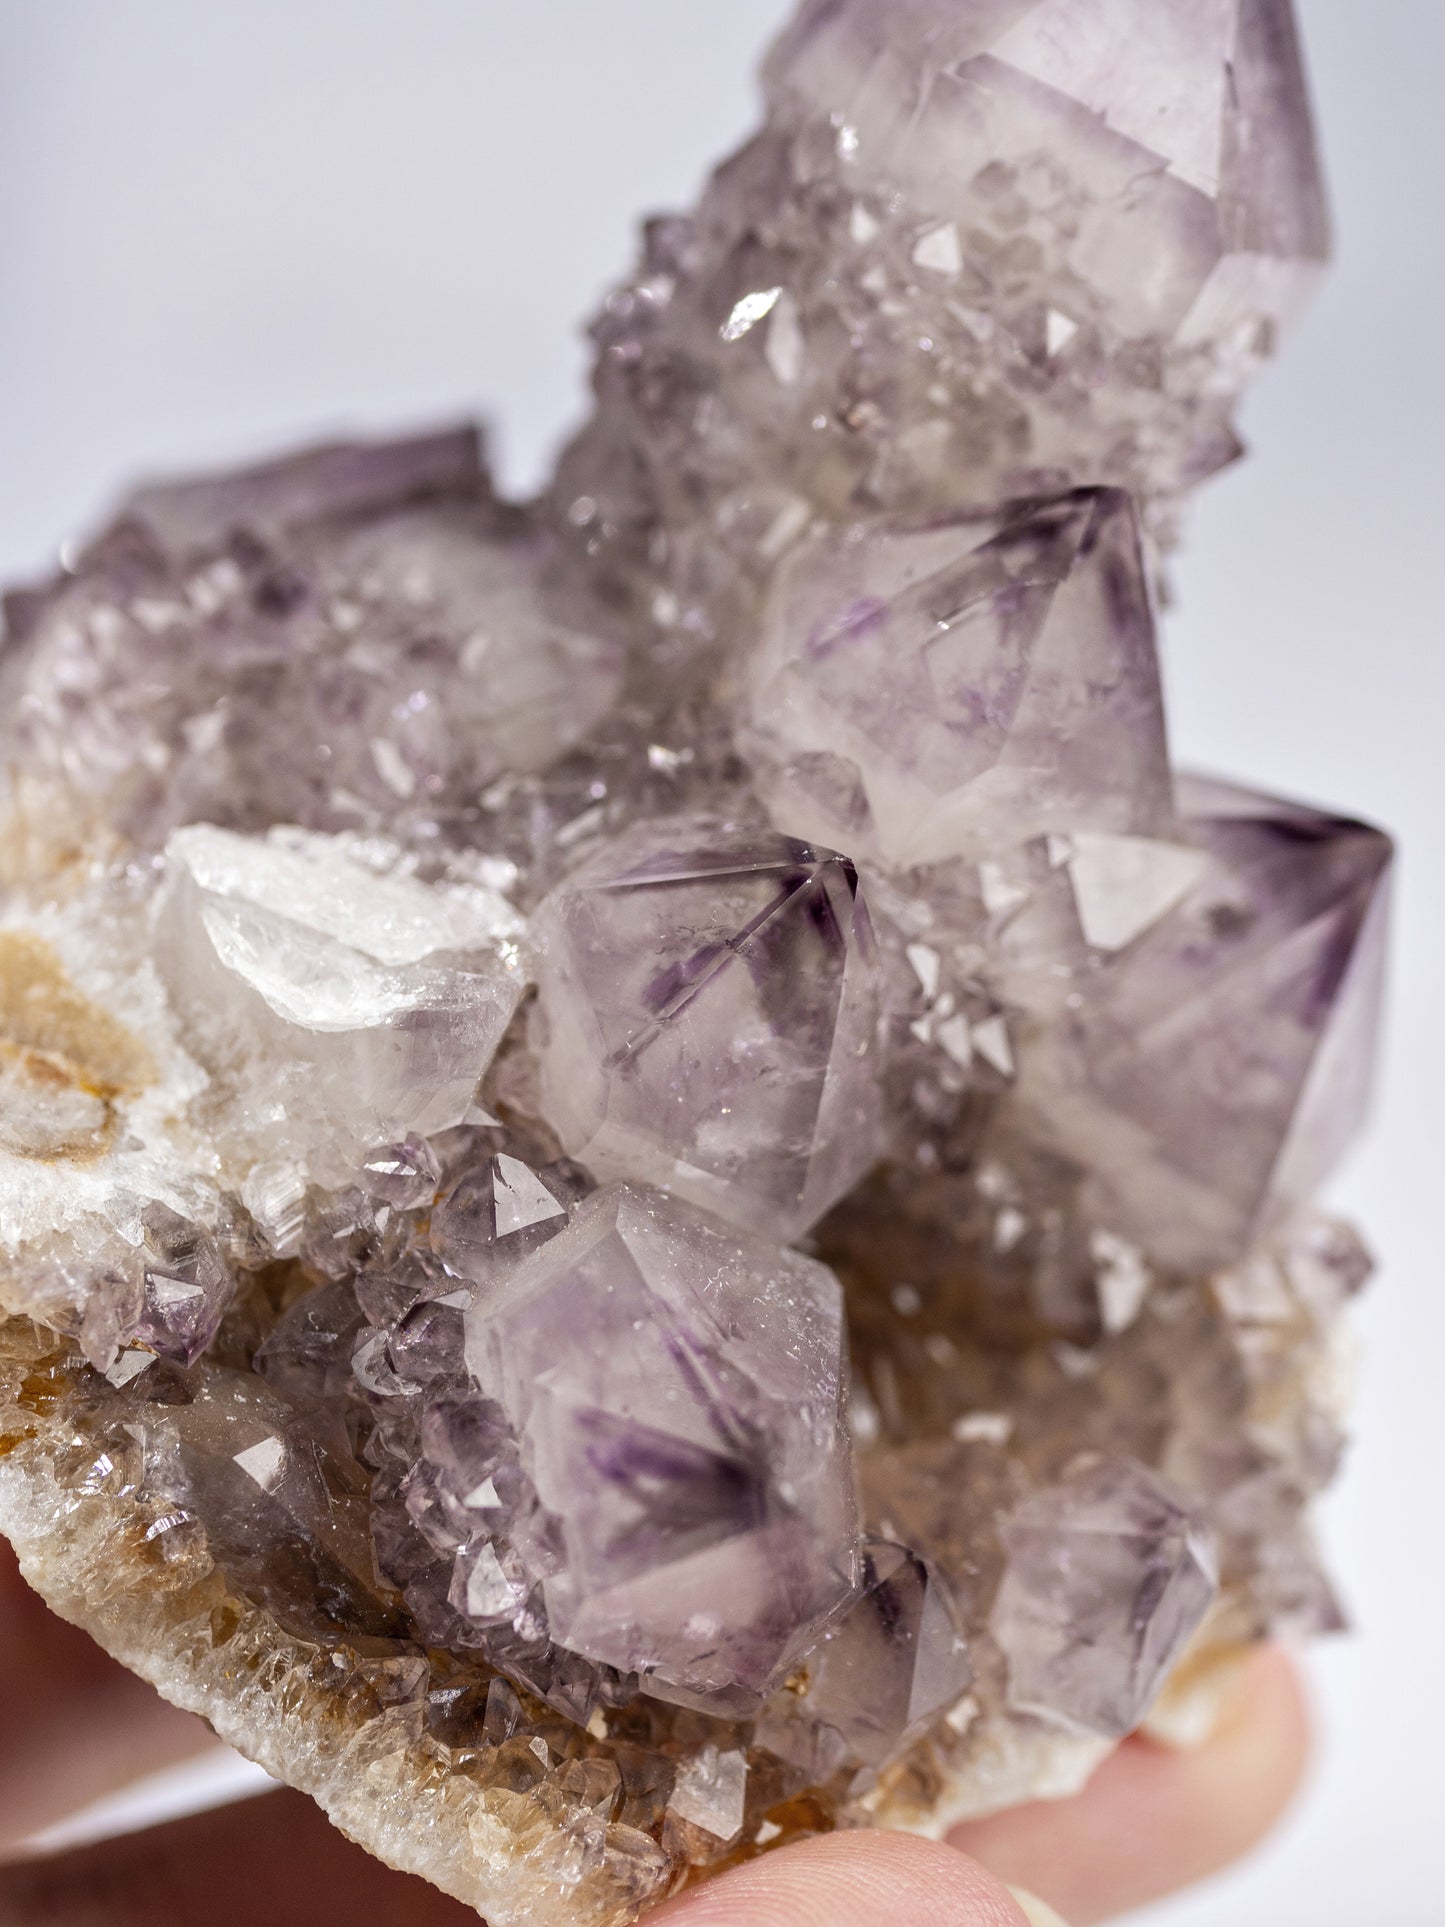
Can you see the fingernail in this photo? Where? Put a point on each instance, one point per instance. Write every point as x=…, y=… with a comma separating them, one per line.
x=1037, y=1913
x=1191, y=1710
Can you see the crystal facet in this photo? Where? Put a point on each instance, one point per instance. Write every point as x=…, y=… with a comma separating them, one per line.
x=1265, y=977
x=676, y=1389
x=373, y=1003
x=656, y=1172
x=710, y=1006
x=965, y=686
x=1107, y=1578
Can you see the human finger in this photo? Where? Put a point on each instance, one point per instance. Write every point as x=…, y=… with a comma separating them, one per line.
x=74, y=1726
x=1153, y=1819
x=275, y=1859
x=854, y=1880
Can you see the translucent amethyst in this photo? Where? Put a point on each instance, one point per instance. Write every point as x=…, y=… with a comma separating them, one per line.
x=657, y=1173
x=677, y=1389
x=1108, y=1576
x=709, y=1007
x=950, y=690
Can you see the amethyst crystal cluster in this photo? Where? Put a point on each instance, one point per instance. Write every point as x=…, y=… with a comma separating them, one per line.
x=655, y=1171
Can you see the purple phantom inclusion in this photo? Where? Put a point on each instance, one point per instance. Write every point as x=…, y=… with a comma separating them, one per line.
x=709, y=1004
x=893, y=1662
x=1217, y=1066
x=677, y=1389
x=1108, y=1577
x=951, y=690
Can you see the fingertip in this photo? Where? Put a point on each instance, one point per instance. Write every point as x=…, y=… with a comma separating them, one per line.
x=1037, y=1912
x=858, y=1879
x=1155, y=1818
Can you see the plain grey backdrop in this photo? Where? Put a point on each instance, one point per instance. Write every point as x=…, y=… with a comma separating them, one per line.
x=226, y=225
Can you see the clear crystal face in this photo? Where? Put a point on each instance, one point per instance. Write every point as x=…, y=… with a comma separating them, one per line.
x=709, y=1007
x=374, y=1002
x=962, y=687
x=655, y=1170
x=1107, y=1578
x=1264, y=973
x=676, y=1390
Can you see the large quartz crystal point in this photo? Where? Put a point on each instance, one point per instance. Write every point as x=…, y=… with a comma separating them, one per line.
x=709, y=1007
x=1265, y=981
x=348, y=1007
x=1128, y=191
x=355, y=638
x=895, y=1660
x=956, y=689
x=980, y=250
x=678, y=1391
x=1108, y=1576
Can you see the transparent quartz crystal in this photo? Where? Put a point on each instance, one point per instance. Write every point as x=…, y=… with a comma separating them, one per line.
x=709, y=1011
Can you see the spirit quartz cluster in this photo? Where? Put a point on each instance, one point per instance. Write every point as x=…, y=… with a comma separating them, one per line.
x=655, y=1170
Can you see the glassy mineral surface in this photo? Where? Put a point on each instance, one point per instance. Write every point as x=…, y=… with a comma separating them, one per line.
x=657, y=1173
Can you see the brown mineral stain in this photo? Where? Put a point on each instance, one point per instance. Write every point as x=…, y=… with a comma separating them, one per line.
x=67, y=1062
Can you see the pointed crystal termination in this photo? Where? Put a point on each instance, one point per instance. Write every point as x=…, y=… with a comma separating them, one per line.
x=978, y=251
x=710, y=1006
x=893, y=1661
x=493, y=1217
x=281, y=1494
x=1108, y=1577
x=1158, y=154
x=1265, y=980
x=677, y=1389
x=186, y=1287
x=955, y=690
x=357, y=1005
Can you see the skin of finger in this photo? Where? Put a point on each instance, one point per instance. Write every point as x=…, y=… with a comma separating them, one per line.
x=1153, y=1820
x=275, y=1861
x=74, y=1726
x=850, y=1880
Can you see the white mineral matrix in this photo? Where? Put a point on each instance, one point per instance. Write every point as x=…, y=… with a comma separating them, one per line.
x=655, y=1169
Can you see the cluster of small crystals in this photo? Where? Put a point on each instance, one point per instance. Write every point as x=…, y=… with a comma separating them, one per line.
x=976, y=253
x=742, y=1213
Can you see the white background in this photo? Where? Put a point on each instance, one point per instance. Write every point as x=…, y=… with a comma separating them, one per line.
x=225, y=225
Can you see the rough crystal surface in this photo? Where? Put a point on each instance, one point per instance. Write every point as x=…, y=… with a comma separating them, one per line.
x=656, y=1172
x=977, y=252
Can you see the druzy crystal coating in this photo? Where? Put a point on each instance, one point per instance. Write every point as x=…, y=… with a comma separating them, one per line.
x=656, y=1170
